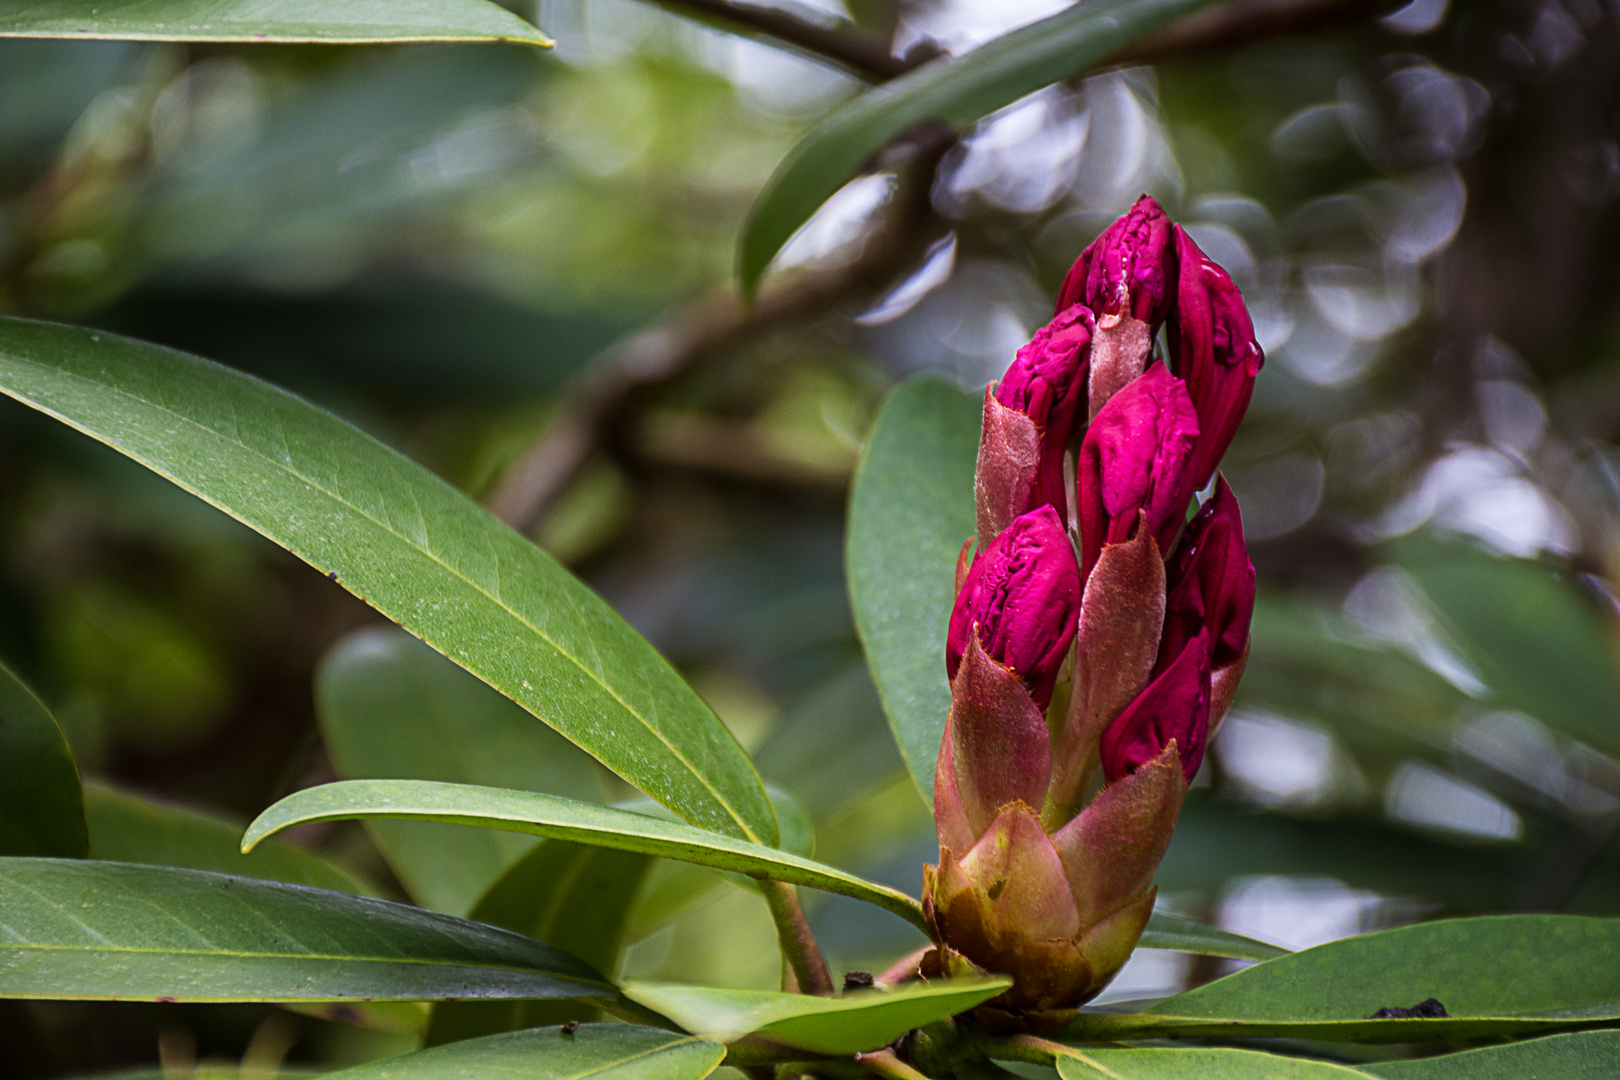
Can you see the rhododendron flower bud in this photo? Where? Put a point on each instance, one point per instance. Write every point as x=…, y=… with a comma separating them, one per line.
x=1134, y=465
x=1127, y=276
x=1129, y=269
x=1211, y=589
x=1213, y=348
x=1174, y=707
x=1029, y=420
x=1022, y=597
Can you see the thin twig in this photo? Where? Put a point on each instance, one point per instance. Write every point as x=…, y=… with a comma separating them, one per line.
x=798, y=943
x=857, y=50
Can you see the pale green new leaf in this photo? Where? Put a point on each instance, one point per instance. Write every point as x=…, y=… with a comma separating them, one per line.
x=41, y=801
x=1495, y=975
x=578, y=897
x=565, y=819
x=910, y=510
x=956, y=90
x=408, y=543
x=857, y=1021
x=117, y=931
x=323, y=21
x=592, y=1052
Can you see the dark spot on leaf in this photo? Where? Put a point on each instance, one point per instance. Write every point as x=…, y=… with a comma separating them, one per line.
x=347, y=1014
x=1430, y=1009
x=167, y=1000
x=331, y=575
x=570, y=1027
x=857, y=980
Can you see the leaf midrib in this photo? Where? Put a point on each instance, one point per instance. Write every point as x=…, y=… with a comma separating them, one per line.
x=340, y=501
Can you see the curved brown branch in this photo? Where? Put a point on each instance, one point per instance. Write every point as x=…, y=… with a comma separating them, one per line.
x=621, y=379
x=851, y=47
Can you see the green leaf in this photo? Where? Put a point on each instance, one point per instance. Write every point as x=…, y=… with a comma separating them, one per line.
x=408, y=543
x=1186, y=935
x=957, y=90
x=1538, y=643
x=390, y=707
x=547, y=815
x=858, y=1021
x=909, y=512
x=117, y=931
x=574, y=896
x=129, y=828
x=593, y=1052
x=1495, y=975
x=351, y=21
x=41, y=801
x=1200, y=1063
x=1581, y=1055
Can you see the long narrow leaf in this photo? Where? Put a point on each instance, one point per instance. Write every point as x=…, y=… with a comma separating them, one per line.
x=408, y=543
x=114, y=931
x=957, y=90
x=1186, y=935
x=1494, y=975
x=346, y=22
x=591, y=1052
x=565, y=819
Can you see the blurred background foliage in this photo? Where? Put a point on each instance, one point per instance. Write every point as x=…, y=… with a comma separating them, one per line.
x=516, y=268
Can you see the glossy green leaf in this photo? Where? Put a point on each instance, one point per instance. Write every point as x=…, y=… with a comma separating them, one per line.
x=346, y=21
x=1580, y=1055
x=909, y=512
x=1495, y=975
x=956, y=90
x=390, y=707
x=862, y=1020
x=129, y=828
x=547, y=815
x=593, y=1052
x=1536, y=641
x=1187, y=935
x=104, y=930
x=1201, y=1063
x=41, y=801
x=408, y=543
x=577, y=897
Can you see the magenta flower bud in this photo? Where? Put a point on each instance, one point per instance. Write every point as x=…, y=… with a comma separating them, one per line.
x=1129, y=269
x=1022, y=594
x=1047, y=382
x=1133, y=462
x=1175, y=706
x=1213, y=348
x=1211, y=585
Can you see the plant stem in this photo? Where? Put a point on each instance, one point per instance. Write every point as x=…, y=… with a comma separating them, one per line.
x=798, y=943
x=888, y=1065
x=1030, y=1049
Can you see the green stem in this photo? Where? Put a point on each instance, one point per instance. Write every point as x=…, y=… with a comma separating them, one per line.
x=1030, y=1049
x=798, y=943
x=887, y=1064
